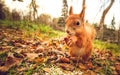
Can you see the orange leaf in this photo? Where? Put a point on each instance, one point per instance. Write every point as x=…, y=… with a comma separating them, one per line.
x=39, y=60
x=90, y=65
x=64, y=59
x=83, y=67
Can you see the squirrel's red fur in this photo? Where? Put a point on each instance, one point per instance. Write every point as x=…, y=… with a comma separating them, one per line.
x=79, y=35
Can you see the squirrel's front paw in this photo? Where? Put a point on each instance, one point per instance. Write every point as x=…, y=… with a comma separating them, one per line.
x=70, y=42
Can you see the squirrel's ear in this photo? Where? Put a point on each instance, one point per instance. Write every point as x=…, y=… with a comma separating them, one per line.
x=71, y=10
x=82, y=14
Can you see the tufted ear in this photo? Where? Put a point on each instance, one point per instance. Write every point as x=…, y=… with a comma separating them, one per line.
x=82, y=14
x=71, y=10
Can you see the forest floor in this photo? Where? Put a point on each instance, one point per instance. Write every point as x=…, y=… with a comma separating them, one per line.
x=41, y=55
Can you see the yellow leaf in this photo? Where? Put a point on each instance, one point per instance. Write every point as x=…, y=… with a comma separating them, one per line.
x=83, y=67
x=47, y=70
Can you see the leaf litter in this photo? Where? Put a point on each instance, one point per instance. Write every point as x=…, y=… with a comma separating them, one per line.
x=32, y=56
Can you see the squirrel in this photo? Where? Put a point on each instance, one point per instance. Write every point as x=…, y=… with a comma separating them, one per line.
x=79, y=35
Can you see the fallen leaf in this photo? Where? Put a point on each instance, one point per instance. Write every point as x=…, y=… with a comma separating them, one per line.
x=31, y=56
x=66, y=66
x=34, y=47
x=21, y=69
x=74, y=59
x=47, y=70
x=10, y=61
x=5, y=49
x=90, y=65
x=89, y=72
x=18, y=55
x=39, y=60
x=51, y=58
x=39, y=49
x=117, y=68
x=19, y=45
x=82, y=66
x=64, y=60
x=98, y=69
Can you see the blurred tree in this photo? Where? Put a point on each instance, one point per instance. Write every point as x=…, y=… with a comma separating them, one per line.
x=95, y=25
x=65, y=9
x=54, y=22
x=101, y=29
x=119, y=35
x=7, y=13
x=61, y=21
x=33, y=9
x=105, y=12
x=2, y=14
x=4, y=11
x=113, y=23
x=15, y=15
x=64, y=15
x=44, y=19
x=19, y=0
x=113, y=31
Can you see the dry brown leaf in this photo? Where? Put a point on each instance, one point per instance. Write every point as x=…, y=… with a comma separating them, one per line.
x=34, y=47
x=98, y=69
x=21, y=69
x=82, y=66
x=112, y=58
x=90, y=65
x=66, y=66
x=117, y=68
x=31, y=56
x=39, y=60
x=10, y=61
x=51, y=58
x=18, y=45
x=47, y=70
x=39, y=49
x=5, y=49
x=64, y=60
x=74, y=59
x=89, y=72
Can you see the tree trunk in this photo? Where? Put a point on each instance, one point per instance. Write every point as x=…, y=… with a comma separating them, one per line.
x=101, y=31
x=119, y=35
x=104, y=13
x=83, y=4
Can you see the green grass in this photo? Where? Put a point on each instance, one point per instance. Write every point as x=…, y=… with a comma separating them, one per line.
x=32, y=29
x=107, y=46
x=47, y=30
x=3, y=56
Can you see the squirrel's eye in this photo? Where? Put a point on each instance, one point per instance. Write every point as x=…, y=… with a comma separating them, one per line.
x=77, y=23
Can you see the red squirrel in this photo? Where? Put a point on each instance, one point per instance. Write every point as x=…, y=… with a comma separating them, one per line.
x=79, y=35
